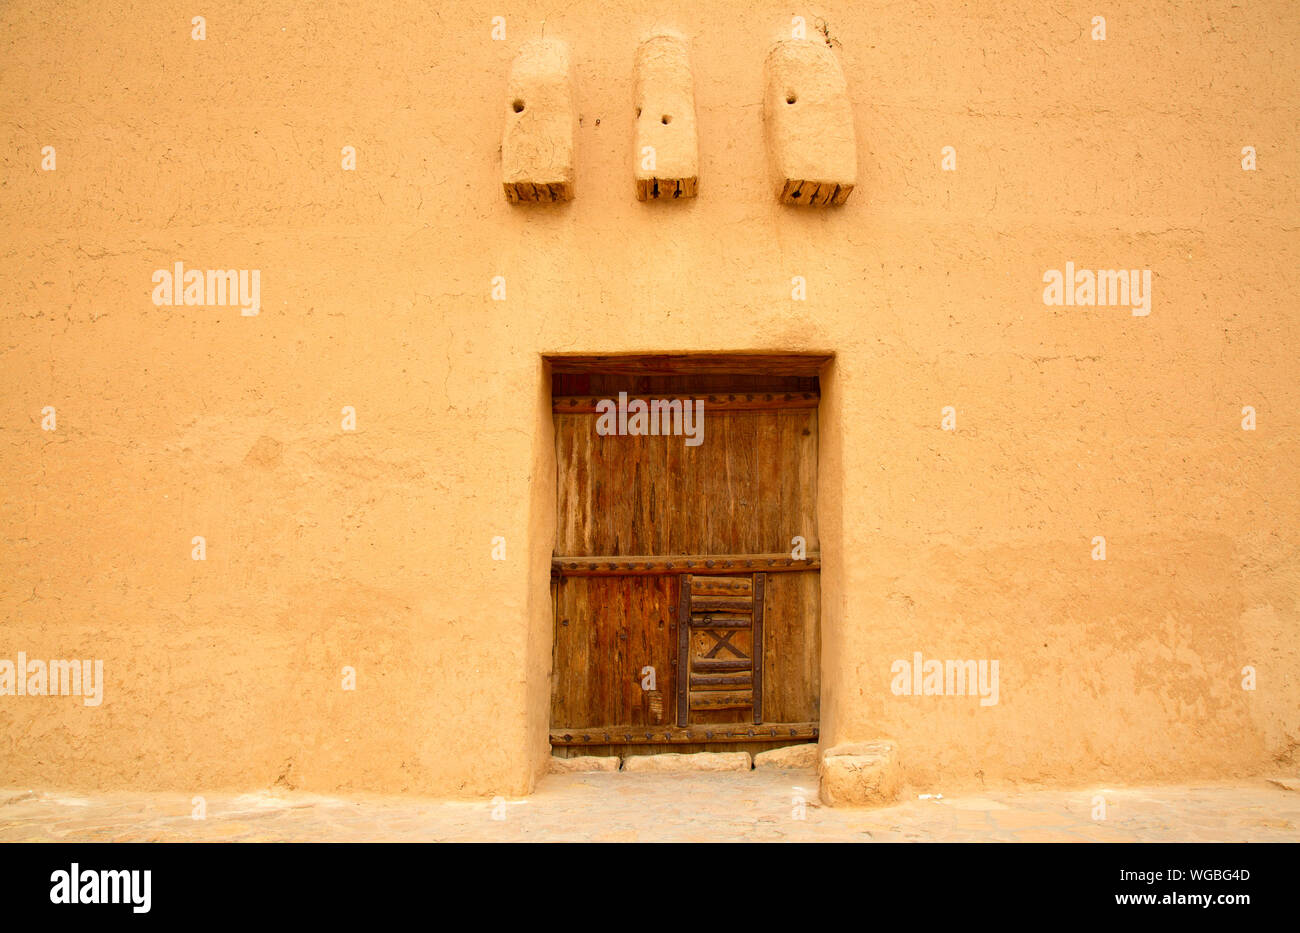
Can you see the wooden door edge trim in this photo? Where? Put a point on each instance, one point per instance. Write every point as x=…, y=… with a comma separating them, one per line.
x=682, y=660
x=720, y=401
x=756, y=647
x=704, y=564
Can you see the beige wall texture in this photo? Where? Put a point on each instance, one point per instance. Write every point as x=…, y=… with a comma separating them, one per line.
x=372, y=548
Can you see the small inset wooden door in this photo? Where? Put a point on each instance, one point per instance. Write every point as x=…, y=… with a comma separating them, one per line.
x=685, y=576
x=720, y=644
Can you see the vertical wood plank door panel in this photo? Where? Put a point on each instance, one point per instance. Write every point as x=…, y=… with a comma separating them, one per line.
x=792, y=648
x=748, y=489
x=607, y=631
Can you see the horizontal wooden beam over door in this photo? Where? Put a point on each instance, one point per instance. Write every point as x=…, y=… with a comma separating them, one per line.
x=683, y=735
x=661, y=565
x=763, y=363
x=608, y=385
x=738, y=401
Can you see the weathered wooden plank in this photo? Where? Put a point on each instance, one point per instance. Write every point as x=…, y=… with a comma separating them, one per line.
x=607, y=630
x=791, y=647
x=712, y=620
x=616, y=565
x=722, y=717
x=722, y=586
x=739, y=700
x=720, y=664
x=559, y=658
x=805, y=500
x=683, y=648
x=759, y=584
x=654, y=707
x=714, y=490
x=736, y=604
x=565, y=484
x=719, y=681
x=677, y=735
x=660, y=500
x=608, y=385
x=626, y=489
x=768, y=469
x=679, y=506
x=743, y=467
x=789, y=521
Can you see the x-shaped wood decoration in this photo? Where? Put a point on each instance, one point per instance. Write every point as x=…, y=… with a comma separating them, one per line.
x=723, y=640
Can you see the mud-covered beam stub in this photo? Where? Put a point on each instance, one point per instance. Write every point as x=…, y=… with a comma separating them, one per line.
x=809, y=124
x=666, y=153
x=537, y=147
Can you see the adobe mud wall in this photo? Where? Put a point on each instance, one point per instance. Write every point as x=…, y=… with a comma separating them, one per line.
x=371, y=548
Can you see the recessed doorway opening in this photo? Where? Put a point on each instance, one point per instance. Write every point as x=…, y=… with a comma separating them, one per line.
x=685, y=576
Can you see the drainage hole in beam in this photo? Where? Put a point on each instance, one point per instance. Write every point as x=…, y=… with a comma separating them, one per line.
x=791, y=97
x=666, y=119
x=518, y=105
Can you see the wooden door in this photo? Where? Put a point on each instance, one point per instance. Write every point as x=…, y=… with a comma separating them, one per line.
x=639, y=517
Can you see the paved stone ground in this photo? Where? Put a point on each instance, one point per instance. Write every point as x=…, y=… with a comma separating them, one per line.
x=621, y=807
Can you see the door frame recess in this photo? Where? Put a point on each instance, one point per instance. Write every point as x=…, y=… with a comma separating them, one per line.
x=829, y=525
